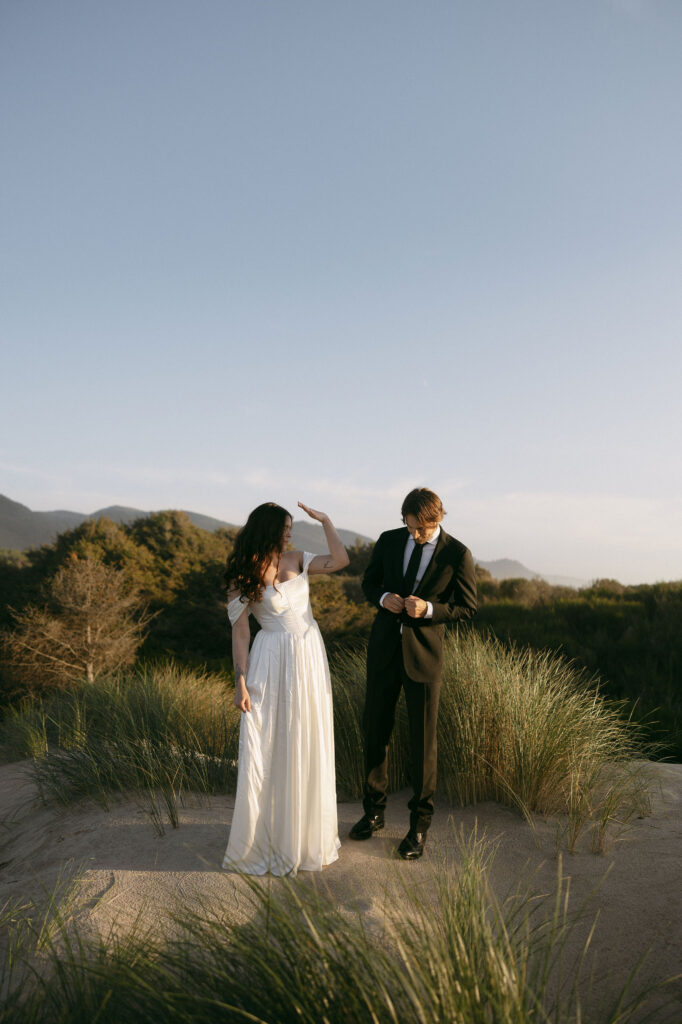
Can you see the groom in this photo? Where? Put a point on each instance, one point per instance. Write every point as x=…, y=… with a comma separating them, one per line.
x=419, y=578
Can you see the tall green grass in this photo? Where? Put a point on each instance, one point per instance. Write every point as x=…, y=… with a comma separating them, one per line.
x=161, y=732
x=521, y=727
x=448, y=951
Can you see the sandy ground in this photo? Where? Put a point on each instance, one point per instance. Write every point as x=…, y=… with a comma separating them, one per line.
x=126, y=868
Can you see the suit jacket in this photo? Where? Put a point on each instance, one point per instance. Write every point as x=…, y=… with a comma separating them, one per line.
x=449, y=583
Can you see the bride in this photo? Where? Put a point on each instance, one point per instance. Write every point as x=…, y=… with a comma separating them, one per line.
x=285, y=809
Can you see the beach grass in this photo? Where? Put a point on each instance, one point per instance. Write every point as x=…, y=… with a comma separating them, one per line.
x=449, y=950
x=524, y=728
x=161, y=732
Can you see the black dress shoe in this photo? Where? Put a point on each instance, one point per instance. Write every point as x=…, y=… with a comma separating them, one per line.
x=367, y=826
x=412, y=846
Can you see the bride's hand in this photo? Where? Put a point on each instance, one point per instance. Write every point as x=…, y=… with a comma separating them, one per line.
x=241, y=697
x=321, y=517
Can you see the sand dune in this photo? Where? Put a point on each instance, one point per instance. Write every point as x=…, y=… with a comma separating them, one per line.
x=125, y=868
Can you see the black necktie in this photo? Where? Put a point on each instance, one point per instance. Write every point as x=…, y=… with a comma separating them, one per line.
x=410, y=577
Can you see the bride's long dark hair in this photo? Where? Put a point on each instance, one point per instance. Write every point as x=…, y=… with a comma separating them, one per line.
x=260, y=537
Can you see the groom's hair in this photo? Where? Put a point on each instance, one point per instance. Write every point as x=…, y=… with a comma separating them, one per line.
x=424, y=505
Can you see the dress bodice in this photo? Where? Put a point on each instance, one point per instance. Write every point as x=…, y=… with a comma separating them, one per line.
x=282, y=609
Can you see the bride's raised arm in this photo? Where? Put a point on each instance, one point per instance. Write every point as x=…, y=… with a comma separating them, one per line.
x=337, y=557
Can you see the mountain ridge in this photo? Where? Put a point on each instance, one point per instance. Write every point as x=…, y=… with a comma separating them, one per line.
x=22, y=528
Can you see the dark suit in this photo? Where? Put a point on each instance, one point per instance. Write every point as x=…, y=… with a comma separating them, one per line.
x=410, y=658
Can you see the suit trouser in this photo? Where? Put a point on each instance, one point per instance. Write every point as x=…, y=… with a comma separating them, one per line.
x=383, y=691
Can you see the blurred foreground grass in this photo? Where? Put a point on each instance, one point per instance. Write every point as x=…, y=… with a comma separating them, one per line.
x=449, y=950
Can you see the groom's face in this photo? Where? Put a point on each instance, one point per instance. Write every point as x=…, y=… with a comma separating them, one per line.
x=422, y=532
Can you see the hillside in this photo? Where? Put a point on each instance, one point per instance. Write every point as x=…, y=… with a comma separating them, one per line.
x=508, y=569
x=21, y=528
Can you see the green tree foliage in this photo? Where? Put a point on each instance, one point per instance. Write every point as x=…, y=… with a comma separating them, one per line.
x=8, y=556
x=339, y=616
x=630, y=635
x=102, y=540
x=185, y=586
x=359, y=555
x=527, y=593
x=176, y=568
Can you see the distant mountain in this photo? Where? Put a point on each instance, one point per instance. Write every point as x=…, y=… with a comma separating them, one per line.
x=309, y=536
x=508, y=569
x=20, y=528
x=122, y=514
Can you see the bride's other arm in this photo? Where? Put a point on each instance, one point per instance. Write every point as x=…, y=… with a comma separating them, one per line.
x=240, y=652
x=337, y=557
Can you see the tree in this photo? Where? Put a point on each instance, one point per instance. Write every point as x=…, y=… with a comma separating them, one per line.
x=359, y=555
x=174, y=566
x=92, y=622
x=336, y=615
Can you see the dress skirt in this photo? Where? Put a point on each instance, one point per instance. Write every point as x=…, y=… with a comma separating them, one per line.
x=285, y=816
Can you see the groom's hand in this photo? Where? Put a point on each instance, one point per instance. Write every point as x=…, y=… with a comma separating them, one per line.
x=415, y=607
x=394, y=603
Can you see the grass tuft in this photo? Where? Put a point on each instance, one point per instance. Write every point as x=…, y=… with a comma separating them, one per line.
x=449, y=951
x=525, y=728
x=161, y=732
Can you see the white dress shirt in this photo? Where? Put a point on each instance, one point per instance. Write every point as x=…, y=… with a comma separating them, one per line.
x=427, y=554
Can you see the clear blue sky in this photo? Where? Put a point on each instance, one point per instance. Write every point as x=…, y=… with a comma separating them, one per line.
x=260, y=249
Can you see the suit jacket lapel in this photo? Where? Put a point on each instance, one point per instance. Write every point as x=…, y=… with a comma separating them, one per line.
x=400, y=552
x=431, y=567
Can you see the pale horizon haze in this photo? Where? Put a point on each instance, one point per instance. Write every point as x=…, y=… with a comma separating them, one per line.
x=332, y=251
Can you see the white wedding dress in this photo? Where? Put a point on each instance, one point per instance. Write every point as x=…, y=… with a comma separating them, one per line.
x=285, y=811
